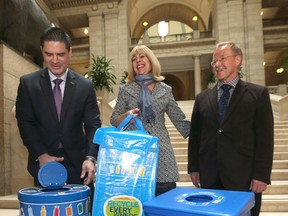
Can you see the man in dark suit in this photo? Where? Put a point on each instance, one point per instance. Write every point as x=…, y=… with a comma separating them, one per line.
x=231, y=149
x=64, y=137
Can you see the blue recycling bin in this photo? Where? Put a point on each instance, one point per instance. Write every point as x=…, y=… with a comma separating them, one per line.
x=200, y=202
x=55, y=197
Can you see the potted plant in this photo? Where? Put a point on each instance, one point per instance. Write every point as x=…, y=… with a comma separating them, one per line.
x=101, y=74
x=211, y=80
x=284, y=63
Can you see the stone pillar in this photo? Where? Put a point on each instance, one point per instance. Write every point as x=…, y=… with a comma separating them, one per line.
x=240, y=21
x=96, y=32
x=254, y=50
x=111, y=32
x=2, y=140
x=197, y=75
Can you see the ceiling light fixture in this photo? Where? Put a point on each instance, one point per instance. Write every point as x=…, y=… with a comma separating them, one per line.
x=145, y=23
x=280, y=70
x=163, y=28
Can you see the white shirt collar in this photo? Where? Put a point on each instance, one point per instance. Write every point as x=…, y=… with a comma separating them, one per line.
x=53, y=77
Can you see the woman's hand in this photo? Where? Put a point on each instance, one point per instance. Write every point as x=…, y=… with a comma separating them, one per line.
x=135, y=111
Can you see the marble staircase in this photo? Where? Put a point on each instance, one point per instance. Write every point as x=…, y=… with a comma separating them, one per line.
x=275, y=198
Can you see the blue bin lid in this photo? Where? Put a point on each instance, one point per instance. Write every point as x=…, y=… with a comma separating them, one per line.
x=200, y=202
x=68, y=193
x=52, y=175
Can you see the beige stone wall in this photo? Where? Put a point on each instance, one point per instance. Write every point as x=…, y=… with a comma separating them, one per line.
x=13, y=153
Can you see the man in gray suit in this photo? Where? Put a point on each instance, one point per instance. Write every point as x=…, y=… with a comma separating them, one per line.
x=231, y=138
x=64, y=135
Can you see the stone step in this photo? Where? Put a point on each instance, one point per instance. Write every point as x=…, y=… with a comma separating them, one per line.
x=281, y=136
x=182, y=144
x=280, y=164
x=281, y=147
x=277, y=164
x=176, y=139
x=280, y=141
x=9, y=202
x=277, y=187
x=277, y=156
x=274, y=203
x=278, y=129
x=277, y=142
x=182, y=150
x=277, y=174
x=280, y=156
x=278, y=149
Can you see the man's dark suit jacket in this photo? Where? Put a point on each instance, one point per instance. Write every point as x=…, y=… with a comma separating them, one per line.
x=40, y=129
x=241, y=147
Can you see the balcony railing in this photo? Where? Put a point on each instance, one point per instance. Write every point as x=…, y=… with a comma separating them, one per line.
x=172, y=37
x=275, y=22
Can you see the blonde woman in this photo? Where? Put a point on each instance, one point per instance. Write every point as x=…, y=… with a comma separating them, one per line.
x=149, y=99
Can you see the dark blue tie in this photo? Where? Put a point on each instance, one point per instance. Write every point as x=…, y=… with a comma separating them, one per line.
x=224, y=99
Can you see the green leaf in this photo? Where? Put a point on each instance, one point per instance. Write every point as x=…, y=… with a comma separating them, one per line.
x=101, y=73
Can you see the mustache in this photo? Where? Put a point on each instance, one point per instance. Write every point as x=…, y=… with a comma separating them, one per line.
x=218, y=69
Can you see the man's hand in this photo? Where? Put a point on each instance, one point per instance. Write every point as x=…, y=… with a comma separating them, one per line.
x=195, y=177
x=257, y=186
x=88, y=172
x=44, y=158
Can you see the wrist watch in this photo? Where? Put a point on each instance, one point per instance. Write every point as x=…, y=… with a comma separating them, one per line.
x=91, y=158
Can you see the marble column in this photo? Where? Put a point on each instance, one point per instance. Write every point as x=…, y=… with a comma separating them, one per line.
x=96, y=32
x=111, y=26
x=254, y=51
x=197, y=75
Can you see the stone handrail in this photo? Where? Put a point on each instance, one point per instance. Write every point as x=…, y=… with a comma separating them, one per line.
x=280, y=107
x=106, y=110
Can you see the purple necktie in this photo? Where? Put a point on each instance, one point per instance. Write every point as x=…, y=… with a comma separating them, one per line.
x=57, y=96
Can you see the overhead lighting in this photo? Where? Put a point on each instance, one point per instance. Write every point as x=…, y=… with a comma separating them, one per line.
x=261, y=13
x=280, y=70
x=145, y=23
x=195, y=18
x=86, y=31
x=163, y=28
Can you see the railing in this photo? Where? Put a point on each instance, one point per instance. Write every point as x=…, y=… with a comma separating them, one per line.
x=281, y=89
x=275, y=22
x=172, y=37
x=279, y=107
x=83, y=40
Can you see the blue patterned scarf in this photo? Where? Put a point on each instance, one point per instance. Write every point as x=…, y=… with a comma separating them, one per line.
x=145, y=102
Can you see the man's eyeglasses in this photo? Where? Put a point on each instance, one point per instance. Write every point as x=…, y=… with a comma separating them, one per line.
x=221, y=60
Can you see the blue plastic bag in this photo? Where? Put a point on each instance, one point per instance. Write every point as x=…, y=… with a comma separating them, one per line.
x=126, y=169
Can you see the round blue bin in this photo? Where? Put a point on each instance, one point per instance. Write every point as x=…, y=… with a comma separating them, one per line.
x=54, y=198
x=65, y=201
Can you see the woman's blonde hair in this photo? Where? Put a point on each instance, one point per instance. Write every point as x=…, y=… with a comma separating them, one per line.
x=155, y=65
